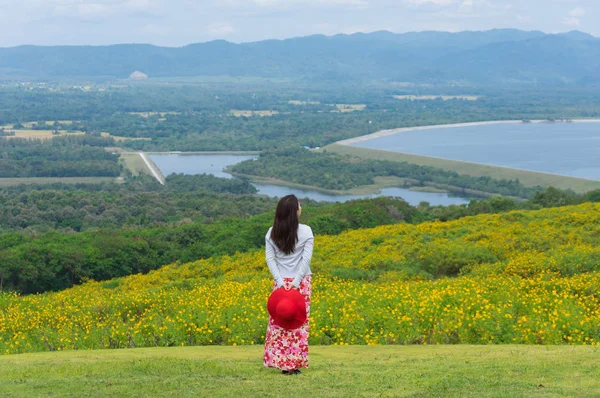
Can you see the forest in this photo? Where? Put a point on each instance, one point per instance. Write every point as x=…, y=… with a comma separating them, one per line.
x=76, y=156
x=139, y=202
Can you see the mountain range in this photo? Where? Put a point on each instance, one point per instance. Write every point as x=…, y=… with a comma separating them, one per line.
x=499, y=56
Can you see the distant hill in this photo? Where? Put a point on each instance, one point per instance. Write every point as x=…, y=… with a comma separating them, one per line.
x=497, y=56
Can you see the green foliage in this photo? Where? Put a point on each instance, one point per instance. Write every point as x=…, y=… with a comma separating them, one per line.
x=329, y=224
x=452, y=262
x=208, y=182
x=78, y=156
x=202, y=122
x=57, y=260
x=139, y=202
x=352, y=274
x=553, y=197
x=332, y=171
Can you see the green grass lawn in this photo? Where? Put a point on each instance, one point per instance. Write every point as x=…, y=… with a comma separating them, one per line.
x=382, y=371
x=527, y=178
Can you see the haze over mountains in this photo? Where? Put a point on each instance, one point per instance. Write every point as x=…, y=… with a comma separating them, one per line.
x=500, y=56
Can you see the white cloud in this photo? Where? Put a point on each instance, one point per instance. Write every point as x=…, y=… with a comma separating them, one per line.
x=573, y=19
x=577, y=12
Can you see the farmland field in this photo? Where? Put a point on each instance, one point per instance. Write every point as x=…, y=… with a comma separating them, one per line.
x=348, y=107
x=48, y=123
x=40, y=134
x=28, y=130
x=246, y=113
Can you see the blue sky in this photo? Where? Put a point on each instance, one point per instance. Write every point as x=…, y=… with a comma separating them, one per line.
x=180, y=22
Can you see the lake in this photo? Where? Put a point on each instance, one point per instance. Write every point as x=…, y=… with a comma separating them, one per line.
x=214, y=164
x=569, y=149
x=197, y=164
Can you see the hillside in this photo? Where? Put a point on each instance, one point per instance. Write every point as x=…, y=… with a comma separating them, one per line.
x=489, y=57
x=35, y=261
x=423, y=371
x=527, y=277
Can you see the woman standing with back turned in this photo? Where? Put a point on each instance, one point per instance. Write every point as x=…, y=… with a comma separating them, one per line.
x=289, y=247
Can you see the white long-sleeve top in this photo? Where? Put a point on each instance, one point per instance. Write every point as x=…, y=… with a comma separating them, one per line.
x=294, y=265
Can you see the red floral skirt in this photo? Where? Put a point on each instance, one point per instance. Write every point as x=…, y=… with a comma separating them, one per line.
x=287, y=349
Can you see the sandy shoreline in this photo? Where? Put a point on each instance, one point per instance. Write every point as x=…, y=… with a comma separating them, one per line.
x=384, y=133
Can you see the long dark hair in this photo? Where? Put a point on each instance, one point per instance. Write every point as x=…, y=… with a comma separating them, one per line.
x=285, y=227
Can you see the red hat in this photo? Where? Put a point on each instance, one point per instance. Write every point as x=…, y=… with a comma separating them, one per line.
x=287, y=308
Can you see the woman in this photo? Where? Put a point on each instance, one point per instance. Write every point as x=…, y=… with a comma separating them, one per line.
x=289, y=247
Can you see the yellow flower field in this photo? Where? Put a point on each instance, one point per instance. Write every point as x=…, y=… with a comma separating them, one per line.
x=521, y=277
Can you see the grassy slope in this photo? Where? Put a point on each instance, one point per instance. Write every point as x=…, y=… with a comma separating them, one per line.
x=391, y=371
x=134, y=162
x=527, y=178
